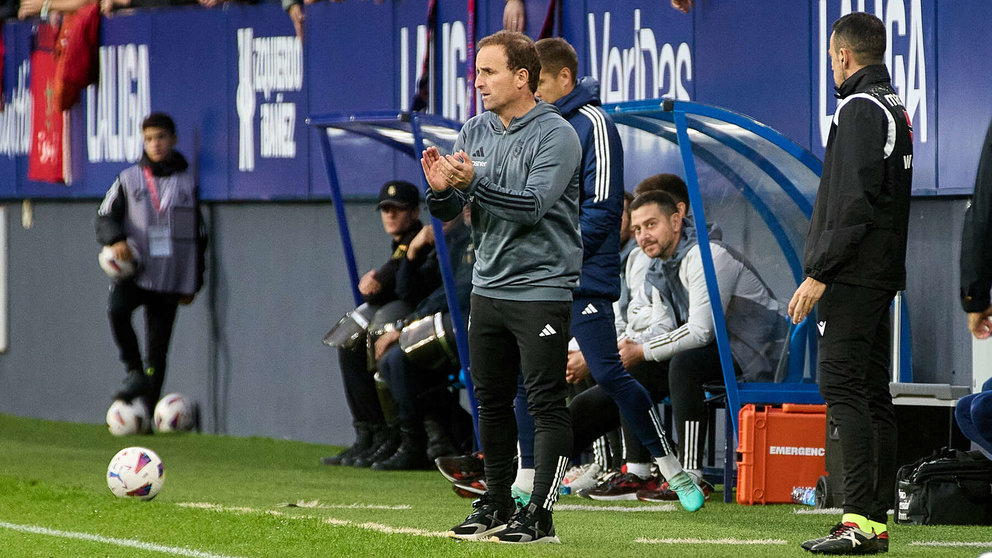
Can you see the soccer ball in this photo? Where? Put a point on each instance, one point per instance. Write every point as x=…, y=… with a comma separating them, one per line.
x=135, y=473
x=125, y=418
x=113, y=267
x=173, y=412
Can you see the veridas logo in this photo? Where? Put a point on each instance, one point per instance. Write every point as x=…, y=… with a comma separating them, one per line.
x=803, y=451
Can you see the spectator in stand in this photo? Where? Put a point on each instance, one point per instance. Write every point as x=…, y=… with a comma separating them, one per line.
x=514, y=16
x=107, y=7
x=683, y=5
x=35, y=8
x=8, y=10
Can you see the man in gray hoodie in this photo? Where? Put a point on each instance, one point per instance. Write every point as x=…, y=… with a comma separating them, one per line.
x=518, y=165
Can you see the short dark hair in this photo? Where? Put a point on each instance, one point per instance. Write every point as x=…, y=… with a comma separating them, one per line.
x=863, y=34
x=665, y=202
x=555, y=53
x=669, y=183
x=159, y=120
x=520, y=54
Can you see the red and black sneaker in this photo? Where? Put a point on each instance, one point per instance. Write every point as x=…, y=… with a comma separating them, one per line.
x=470, y=489
x=462, y=468
x=623, y=487
x=882, y=541
x=664, y=493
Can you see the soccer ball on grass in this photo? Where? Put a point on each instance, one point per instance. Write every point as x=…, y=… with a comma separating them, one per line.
x=125, y=418
x=136, y=472
x=174, y=412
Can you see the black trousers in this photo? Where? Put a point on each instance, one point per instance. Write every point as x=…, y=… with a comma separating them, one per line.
x=359, y=386
x=418, y=392
x=160, y=316
x=854, y=381
x=507, y=338
x=681, y=379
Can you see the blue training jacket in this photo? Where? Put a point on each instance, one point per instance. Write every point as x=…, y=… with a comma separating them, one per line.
x=601, y=190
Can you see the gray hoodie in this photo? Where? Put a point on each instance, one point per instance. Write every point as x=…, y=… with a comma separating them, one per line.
x=525, y=205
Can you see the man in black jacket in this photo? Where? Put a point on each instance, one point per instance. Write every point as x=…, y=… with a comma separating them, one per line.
x=976, y=248
x=855, y=261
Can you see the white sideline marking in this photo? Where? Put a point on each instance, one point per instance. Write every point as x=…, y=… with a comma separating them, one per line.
x=130, y=543
x=713, y=541
x=386, y=529
x=315, y=504
x=582, y=507
x=953, y=543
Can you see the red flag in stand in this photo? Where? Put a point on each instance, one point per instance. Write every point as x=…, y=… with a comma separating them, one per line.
x=45, y=162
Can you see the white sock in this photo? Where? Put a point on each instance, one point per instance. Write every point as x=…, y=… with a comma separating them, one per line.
x=642, y=470
x=696, y=474
x=525, y=480
x=668, y=466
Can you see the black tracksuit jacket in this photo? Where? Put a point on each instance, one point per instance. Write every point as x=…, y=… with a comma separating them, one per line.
x=857, y=234
x=976, y=239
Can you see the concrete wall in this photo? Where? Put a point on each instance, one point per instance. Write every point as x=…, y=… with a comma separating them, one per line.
x=249, y=347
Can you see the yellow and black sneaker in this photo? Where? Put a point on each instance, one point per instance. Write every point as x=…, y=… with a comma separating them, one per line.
x=846, y=538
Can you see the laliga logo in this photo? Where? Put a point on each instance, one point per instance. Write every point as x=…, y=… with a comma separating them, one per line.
x=267, y=65
x=117, y=104
x=455, y=94
x=15, y=118
x=904, y=56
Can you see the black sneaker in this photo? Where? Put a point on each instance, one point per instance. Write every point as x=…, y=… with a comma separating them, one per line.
x=529, y=525
x=844, y=538
x=488, y=519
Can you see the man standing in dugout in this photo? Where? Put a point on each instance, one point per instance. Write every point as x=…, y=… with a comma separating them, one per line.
x=855, y=261
x=518, y=165
x=151, y=215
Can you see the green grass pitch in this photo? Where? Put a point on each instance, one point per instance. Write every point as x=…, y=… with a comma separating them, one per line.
x=222, y=498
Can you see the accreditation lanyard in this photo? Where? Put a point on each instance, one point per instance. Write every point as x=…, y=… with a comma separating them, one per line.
x=152, y=189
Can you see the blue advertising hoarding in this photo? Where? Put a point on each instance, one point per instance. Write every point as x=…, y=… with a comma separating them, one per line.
x=241, y=85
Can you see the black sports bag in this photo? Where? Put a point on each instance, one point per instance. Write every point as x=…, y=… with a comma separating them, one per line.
x=951, y=487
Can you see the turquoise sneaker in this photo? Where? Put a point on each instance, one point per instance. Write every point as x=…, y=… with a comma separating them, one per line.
x=521, y=497
x=690, y=496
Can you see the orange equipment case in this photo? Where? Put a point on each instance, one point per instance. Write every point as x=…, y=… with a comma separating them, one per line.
x=780, y=449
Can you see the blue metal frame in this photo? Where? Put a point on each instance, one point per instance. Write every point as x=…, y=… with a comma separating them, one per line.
x=370, y=125
x=638, y=114
x=644, y=115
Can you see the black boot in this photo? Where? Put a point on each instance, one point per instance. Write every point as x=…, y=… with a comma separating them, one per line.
x=389, y=440
x=438, y=442
x=410, y=454
x=363, y=443
x=136, y=384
